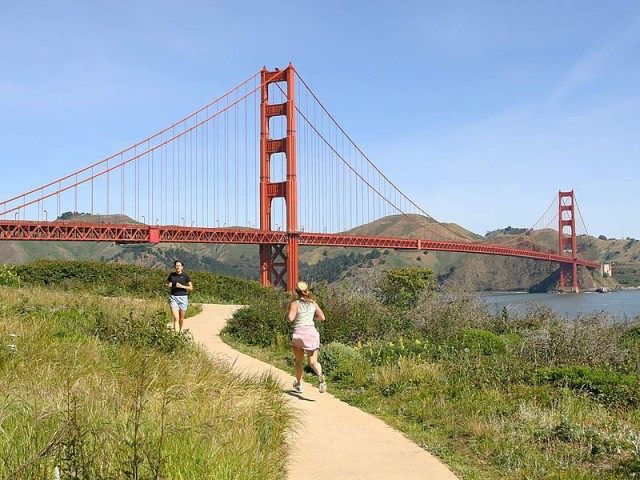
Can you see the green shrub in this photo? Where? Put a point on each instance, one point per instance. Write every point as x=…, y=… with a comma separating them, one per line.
x=633, y=330
x=339, y=361
x=8, y=276
x=401, y=287
x=604, y=386
x=261, y=323
x=479, y=341
x=354, y=318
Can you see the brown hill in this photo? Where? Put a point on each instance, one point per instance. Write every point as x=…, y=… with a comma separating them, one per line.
x=471, y=272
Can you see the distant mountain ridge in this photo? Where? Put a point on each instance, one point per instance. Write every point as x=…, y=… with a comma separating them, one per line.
x=469, y=272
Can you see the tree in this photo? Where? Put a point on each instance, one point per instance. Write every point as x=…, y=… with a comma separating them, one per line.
x=401, y=286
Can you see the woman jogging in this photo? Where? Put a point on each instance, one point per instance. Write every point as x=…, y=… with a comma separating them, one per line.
x=180, y=284
x=305, y=337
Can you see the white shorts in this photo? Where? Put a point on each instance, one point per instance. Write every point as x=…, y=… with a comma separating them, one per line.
x=180, y=301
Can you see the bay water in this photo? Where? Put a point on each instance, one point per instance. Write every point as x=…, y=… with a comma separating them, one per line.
x=620, y=304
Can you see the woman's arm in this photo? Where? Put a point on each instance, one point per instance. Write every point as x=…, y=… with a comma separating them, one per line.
x=293, y=311
x=319, y=313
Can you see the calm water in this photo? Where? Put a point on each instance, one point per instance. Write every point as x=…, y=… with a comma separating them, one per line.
x=621, y=304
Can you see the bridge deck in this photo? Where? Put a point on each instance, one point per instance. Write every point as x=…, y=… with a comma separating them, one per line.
x=130, y=233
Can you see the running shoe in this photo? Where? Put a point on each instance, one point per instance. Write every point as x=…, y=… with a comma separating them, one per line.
x=322, y=386
x=298, y=386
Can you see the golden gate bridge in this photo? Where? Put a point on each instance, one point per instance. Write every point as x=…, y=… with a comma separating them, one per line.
x=266, y=164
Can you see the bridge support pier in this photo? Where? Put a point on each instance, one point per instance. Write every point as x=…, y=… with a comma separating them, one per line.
x=278, y=263
x=567, y=243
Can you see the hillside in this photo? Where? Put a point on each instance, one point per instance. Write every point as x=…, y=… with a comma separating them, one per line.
x=469, y=272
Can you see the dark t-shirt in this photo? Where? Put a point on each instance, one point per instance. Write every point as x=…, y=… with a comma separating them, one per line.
x=183, y=278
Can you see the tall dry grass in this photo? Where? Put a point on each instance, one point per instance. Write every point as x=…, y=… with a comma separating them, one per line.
x=102, y=389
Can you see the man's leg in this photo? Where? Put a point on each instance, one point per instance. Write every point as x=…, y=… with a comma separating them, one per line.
x=181, y=318
x=175, y=311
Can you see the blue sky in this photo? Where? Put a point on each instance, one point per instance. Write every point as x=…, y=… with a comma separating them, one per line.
x=479, y=111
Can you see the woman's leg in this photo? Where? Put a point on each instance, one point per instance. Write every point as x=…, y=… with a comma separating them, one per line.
x=313, y=361
x=315, y=364
x=299, y=354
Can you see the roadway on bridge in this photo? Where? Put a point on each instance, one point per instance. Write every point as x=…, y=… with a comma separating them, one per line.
x=333, y=440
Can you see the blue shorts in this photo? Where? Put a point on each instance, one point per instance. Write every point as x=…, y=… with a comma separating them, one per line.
x=180, y=301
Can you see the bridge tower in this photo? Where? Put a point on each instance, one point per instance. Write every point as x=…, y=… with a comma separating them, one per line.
x=567, y=240
x=279, y=263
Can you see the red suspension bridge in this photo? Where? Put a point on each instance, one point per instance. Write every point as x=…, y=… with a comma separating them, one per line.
x=210, y=178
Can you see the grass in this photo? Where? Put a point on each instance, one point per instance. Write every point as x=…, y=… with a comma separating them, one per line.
x=494, y=396
x=102, y=389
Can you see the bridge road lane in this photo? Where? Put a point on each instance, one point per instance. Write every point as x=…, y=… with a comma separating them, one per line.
x=333, y=440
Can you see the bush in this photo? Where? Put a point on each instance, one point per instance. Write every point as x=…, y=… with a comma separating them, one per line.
x=480, y=341
x=401, y=287
x=8, y=276
x=604, y=386
x=443, y=316
x=340, y=361
x=352, y=318
x=591, y=340
x=261, y=323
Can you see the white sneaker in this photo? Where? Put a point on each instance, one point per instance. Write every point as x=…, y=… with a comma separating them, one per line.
x=322, y=386
x=298, y=386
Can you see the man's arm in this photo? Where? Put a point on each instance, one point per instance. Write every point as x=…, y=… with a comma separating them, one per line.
x=188, y=287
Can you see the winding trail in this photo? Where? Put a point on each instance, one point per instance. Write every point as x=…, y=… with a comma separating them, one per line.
x=333, y=440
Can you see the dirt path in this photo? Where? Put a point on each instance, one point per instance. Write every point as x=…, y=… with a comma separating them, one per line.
x=334, y=440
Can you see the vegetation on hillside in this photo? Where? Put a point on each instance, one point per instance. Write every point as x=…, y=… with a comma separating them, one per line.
x=495, y=396
x=118, y=279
